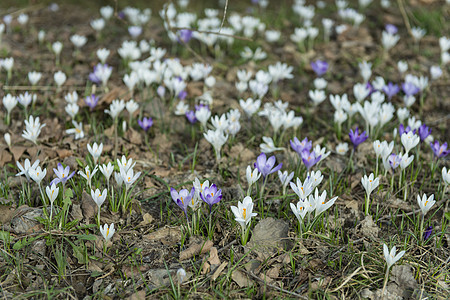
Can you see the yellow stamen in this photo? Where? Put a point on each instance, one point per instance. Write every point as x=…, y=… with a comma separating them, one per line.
x=181, y=198
x=107, y=232
x=425, y=203
x=245, y=213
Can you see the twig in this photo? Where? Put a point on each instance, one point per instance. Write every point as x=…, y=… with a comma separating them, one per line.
x=274, y=286
x=40, y=88
x=346, y=280
x=224, y=15
x=212, y=32
x=404, y=15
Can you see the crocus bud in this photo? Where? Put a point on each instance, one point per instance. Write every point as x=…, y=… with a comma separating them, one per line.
x=8, y=139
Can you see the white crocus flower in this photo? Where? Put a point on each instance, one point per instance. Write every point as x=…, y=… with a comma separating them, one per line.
x=131, y=107
x=106, y=170
x=409, y=140
x=59, y=78
x=202, y=115
x=87, y=174
x=34, y=77
x=319, y=202
x=244, y=212
x=78, y=40
x=390, y=256
x=301, y=209
x=250, y=106
x=217, y=139
x=9, y=102
x=24, y=170
x=285, y=179
x=446, y=175
x=425, y=203
x=125, y=164
x=52, y=192
x=102, y=54
x=32, y=129
x=107, y=231
x=115, y=108
x=37, y=174
x=77, y=130
x=342, y=148
x=269, y=146
x=72, y=109
x=129, y=177
x=302, y=189
x=96, y=151
x=252, y=177
x=405, y=160
x=99, y=197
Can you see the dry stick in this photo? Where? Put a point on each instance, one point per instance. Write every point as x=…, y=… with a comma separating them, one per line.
x=41, y=88
x=273, y=286
x=346, y=280
x=404, y=15
x=224, y=15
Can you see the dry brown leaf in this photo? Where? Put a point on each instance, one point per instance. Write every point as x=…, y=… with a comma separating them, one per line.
x=63, y=153
x=147, y=219
x=214, y=257
x=88, y=206
x=17, y=152
x=241, y=279
x=196, y=249
x=219, y=270
x=274, y=272
x=6, y=213
x=4, y=157
x=134, y=137
x=167, y=235
x=206, y=268
x=138, y=295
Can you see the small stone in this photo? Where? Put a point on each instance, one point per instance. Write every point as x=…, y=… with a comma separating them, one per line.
x=270, y=235
x=25, y=220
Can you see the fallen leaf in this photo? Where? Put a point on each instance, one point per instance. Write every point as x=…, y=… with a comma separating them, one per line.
x=196, y=249
x=219, y=270
x=147, y=219
x=167, y=235
x=88, y=206
x=17, y=152
x=63, y=153
x=241, y=279
x=214, y=257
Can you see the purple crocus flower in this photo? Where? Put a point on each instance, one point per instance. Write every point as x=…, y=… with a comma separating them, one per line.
x=370, y=87
x=190, y=115
x=320, y=67
x=62, y=174
x=402, y=129
x=391, y=29
x=391, y=90
x=211, y=195
x=310, y=158
x=394, y=161
x=356, y=137
x=410, y=89
x=146, y=123
x=198, y=106
x=91, y=101
x=121, y=14
x=427, y=233
x=439, y=150
x=266, y=166
x=93, y=77
x=182, y=199
x=424, y=132
x=185, y=35
x=182, y=95
x=299, y=147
